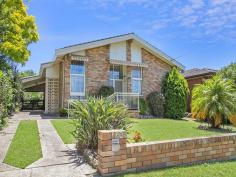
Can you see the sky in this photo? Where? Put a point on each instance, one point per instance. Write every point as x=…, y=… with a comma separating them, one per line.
x=197, y=33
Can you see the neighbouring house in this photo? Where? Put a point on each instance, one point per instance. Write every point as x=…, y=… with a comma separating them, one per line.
x=196, y=76
x=128, y=63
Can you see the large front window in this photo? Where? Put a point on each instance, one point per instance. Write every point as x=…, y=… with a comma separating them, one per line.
x=136, y=80
x=77, y=79
x=116, y=77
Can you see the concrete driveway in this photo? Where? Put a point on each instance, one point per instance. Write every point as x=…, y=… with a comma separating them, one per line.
x=59, y=160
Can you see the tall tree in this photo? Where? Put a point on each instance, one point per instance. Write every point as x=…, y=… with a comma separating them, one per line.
x=17, y=31
x=175, y=90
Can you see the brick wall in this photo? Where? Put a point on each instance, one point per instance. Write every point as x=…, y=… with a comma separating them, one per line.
x=160, y=154
x=191, y=83
x=52, y=98
x=97, y=68
x=154, y=73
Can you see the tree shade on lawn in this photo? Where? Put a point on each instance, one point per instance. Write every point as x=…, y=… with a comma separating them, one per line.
x=25, y=147
x=218, y=169
x=64, y=127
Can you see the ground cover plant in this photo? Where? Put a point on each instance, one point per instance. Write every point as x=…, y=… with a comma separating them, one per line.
x=25, y=147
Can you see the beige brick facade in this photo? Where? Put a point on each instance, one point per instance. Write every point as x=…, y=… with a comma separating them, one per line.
x=160, y=154
x=154, y=73
x=97, y=72
x=97, y=68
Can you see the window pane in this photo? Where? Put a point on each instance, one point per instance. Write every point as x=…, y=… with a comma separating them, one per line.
x=118, y=86
x=115, y=72
x=136, y=73
x=77, y=67
x=77, y=83
x=136, y=86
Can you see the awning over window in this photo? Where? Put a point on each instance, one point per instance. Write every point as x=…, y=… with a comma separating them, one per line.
x=79, y=58
x=128, y=63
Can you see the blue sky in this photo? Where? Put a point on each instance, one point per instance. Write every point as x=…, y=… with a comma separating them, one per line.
x=198, y=33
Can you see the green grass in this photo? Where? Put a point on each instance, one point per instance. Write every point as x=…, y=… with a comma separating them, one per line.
x=167, y=129
x=218, y=169
x=151, y=129
x=25, y=147
x=64, y=127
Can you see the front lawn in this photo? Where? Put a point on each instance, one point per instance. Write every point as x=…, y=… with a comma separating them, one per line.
x=64, y=127
x=151, y=129
x=25, y=147
x=217, y=169
x=166, y=129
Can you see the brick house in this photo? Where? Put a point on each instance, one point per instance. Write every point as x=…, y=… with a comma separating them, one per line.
x=126, y=62
x=196, y=76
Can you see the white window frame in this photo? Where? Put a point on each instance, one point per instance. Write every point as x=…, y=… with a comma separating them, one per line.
x=83, y=75
x=137, y=79
x=114, y=80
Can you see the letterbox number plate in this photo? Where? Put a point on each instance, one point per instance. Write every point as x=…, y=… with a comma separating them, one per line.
x=115, y=144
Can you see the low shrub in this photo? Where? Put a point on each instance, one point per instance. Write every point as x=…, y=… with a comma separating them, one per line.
x=155, y=102
x=96, y=114
x=137, y=137
x=143, y=109
x=63, y=112
x=105, y=91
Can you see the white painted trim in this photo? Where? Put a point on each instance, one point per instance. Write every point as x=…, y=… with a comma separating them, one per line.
x=143, y=43
x=79, y=93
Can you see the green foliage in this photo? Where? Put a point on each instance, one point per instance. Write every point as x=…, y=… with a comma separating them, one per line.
x=143, y=109
x=27, y=73
x=214, y=100
x=6, y=97
x=96, y=114
x=155, y=101
x=63, y=112
x=105, y=91
x=228, y=72
x=17, y=31
x=175, y=90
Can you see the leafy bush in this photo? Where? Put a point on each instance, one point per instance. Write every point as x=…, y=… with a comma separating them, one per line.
x=6, y=97
x=96, y=114
x=214, y=100
x=142, y=106
x=228, y=72
x=155, y=101
x=175, y=90
x=105, y=91
x=63, y=112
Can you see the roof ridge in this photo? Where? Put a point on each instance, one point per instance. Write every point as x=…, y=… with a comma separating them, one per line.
x=86, y=42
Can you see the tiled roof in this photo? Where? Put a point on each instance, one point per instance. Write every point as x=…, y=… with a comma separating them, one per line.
x=197, y=72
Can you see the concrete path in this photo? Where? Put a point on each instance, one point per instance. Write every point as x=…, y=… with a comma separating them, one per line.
x=6, y=137
x=59, y=160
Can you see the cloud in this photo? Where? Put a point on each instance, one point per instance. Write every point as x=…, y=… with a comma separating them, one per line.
x=205, y=18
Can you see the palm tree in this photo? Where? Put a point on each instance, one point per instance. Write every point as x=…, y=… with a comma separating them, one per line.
x=215, y=100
